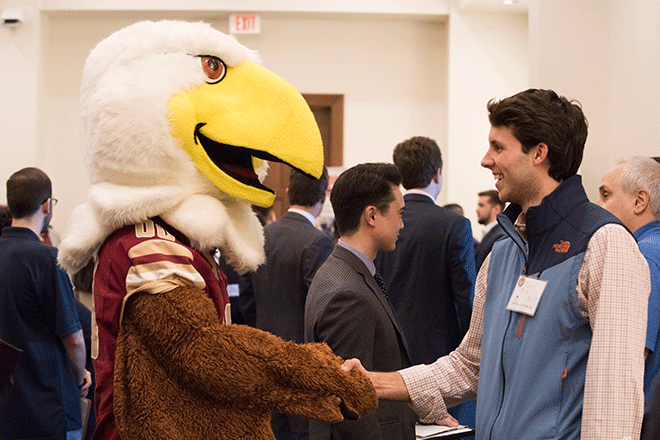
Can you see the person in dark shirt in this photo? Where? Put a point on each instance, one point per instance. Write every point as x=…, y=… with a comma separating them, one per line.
x=38, y=315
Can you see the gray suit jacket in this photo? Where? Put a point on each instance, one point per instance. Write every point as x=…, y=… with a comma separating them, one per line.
x=346, y=309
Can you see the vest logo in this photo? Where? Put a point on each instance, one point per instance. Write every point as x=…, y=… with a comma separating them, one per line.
x=562, y=246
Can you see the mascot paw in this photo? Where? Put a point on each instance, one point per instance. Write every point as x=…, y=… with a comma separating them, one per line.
x=315, y=372
x=359, y=395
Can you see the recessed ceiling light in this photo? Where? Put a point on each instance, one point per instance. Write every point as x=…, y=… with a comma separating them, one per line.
x=510, y=2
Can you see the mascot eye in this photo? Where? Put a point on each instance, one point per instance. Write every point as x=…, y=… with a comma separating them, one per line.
x=214, y=68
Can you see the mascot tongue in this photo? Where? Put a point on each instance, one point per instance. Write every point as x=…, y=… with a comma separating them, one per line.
x=239, y=171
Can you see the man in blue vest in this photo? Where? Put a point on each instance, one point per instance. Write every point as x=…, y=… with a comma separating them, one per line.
x=556, y=342
x=631, y=191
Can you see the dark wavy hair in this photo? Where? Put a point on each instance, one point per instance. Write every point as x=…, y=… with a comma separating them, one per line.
x=418, y=159
x=305, y=190
x=541, y=116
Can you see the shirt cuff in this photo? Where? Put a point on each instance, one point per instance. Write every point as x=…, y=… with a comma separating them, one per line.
x=424, y=393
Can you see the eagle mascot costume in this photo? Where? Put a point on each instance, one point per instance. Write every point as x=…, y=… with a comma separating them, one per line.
x=180, y=121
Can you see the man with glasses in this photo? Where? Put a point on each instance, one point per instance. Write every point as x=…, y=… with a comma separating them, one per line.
x=47, y=236
x=38, y=315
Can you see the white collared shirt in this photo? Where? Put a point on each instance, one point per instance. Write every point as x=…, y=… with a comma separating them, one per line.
x=305, y=214
x=420, y=191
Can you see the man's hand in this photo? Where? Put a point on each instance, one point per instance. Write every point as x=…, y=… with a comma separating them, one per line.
x=388, y=385
x=448, y=421
x=354, y=364
x=84, y=388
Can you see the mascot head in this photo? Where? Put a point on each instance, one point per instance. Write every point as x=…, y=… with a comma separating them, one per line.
x=179, y=122
x=176, y=103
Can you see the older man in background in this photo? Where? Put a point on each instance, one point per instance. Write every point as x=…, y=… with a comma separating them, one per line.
x=631, y=191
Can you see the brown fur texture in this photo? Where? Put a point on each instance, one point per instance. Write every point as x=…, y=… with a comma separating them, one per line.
x=181, y=374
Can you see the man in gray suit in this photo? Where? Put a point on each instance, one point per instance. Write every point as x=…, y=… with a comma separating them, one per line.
x=273, y=297
x=346, y=306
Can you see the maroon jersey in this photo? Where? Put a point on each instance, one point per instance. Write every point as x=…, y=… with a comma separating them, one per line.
x=149, y=257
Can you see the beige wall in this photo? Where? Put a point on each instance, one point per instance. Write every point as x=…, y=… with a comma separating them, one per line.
x=487, y=59
x=605, y=54
x=18, y=92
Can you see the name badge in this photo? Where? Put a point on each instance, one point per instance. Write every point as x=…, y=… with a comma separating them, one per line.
x=526, y=295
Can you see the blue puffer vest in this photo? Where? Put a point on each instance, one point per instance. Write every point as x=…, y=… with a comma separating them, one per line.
x=531, y=379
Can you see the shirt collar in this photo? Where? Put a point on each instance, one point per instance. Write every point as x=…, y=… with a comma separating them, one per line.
x=19, y=231
x=521, y=225
x=647, y=227
x=419, y=191
x=365, y=259
x=305, y=214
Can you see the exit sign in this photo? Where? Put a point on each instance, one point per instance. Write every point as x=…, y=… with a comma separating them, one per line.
x=244, y=23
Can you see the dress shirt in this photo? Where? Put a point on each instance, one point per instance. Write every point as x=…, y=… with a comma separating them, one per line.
x=648, y=239
x=612, y=269
x=365, y=259
x=305, y=214
x=420, y=191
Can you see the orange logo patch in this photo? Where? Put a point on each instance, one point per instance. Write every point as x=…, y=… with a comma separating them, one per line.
x=562, y=246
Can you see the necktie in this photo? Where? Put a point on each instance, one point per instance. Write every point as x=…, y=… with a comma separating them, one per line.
x=381, y=283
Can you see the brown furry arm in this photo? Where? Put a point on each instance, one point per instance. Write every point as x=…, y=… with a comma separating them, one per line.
x=238, y=364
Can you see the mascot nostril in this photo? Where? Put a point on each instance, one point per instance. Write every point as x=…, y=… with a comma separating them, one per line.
x=174, y=163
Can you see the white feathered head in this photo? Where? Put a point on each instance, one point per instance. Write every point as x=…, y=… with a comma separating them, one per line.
x=176, y=113
x=160, y=99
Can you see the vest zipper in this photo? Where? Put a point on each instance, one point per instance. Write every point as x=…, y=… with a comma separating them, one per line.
x=522, y=319
x=525, y=252
x=490, y=435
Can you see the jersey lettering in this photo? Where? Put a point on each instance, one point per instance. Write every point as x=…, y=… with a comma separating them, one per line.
x=149, y=229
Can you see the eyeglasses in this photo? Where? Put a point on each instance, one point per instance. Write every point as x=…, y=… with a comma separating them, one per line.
x=53, y=200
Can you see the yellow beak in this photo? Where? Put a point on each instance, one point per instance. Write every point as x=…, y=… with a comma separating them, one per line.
x=230, y=127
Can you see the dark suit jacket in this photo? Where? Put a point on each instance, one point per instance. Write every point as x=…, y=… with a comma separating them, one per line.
x=430, y=277
x=273, y=297
x=486, y=244
x=347, y=310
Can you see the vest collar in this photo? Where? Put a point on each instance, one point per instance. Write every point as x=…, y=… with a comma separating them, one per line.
x=553, y=208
